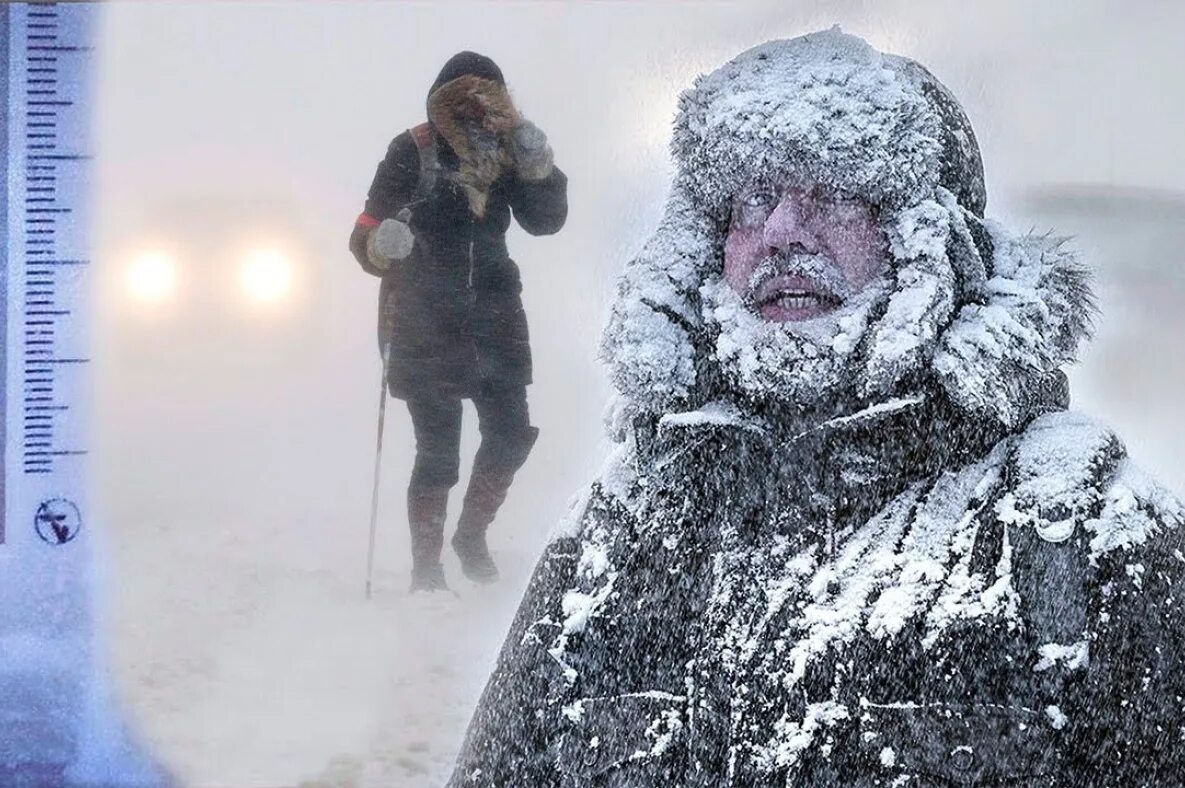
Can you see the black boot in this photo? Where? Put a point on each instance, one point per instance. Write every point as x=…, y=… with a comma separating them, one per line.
x=426, y=510
x=428, y=577
x=487, y=490
x=476, y=561
x=497, y=460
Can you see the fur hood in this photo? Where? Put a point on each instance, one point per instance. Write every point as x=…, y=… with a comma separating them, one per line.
x=984, y=313
x=482, y=158
x=452, y=101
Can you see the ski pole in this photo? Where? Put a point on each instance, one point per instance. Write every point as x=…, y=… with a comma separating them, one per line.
x=378, y=464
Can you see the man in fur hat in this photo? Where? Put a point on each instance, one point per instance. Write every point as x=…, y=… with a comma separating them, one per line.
x=851, y=534
x=451, y=315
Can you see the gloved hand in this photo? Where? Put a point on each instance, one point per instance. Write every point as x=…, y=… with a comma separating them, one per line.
x=532, y=155
x=390, y=242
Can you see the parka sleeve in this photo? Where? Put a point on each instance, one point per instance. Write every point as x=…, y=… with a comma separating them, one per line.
x=395, y=179
x=1130, y=718
x=393, y=187
x=507, y=742
x=540, y=207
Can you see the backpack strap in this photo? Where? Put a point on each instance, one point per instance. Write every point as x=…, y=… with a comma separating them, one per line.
x=422, y=134
x=429, y=165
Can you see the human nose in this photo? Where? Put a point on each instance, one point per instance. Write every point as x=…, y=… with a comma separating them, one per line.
x=790, y=226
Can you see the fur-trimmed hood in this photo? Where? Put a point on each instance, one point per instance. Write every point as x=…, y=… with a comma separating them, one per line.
x=449, y=104
x=984, y=313
x=454, y=110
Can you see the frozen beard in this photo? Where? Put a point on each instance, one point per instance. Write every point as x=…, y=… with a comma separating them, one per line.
x=800, y=362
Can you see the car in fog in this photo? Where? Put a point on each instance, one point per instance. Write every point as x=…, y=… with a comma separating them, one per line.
x=239, y=276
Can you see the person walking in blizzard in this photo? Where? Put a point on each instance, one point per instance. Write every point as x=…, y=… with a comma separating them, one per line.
x=850, y=535
x=451, y=318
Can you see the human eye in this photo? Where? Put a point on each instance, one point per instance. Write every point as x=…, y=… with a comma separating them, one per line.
x=849, y=201
x=758, y=196
x=845, y=205
x=831, y=198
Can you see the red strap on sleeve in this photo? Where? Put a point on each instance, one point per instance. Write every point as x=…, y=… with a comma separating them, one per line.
x=366, y=220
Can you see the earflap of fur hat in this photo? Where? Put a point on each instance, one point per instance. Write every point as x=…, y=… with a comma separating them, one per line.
x=648, y=343
x=922, y=297
x=1035, y=310
x=989, y=332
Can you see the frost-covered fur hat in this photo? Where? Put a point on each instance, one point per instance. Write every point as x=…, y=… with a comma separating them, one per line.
x=986, y=314
x=831, y=108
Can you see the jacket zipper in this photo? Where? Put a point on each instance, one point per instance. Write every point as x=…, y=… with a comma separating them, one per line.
x=471, y=263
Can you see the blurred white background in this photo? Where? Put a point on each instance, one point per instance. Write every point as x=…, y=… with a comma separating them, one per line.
x=237, y=377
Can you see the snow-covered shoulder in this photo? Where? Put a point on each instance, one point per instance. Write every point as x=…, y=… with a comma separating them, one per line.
x=1073, y=472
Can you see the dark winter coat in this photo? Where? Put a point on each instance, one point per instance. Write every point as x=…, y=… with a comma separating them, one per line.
x=453, y=309
x=851, y=606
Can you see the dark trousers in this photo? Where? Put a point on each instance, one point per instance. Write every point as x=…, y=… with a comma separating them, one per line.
x=504, y=423
x=506, y=438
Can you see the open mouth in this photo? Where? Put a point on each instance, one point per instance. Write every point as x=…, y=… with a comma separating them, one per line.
x=793, y=297
x=799, y=299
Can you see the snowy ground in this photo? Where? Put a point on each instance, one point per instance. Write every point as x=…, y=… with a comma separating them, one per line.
x=234, y=495
x=286, y=676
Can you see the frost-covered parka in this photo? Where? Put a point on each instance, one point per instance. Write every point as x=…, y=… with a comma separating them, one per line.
x=453, y=310
x=941, y=576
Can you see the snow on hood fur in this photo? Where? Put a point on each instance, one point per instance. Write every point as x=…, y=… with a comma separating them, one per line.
x=984, y=313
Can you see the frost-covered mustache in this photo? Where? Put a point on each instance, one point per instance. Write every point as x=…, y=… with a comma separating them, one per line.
x=829, y=281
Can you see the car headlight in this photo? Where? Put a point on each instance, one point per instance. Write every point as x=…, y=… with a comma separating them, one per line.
x=265, y=275
x=152, y=276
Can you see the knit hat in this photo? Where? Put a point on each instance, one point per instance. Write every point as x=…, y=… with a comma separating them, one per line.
x=470, y=63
